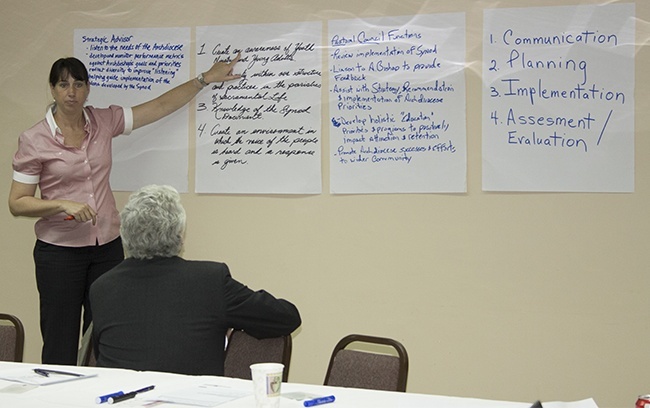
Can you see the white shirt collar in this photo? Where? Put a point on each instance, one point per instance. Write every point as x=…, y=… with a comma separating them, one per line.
x=49, y=117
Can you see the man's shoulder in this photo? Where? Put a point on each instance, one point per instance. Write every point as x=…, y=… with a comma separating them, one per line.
x=169, y=267
x=109, y=275
x=208, y=267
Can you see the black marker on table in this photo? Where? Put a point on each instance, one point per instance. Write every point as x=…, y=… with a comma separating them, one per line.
x=129, y=395
x=46, y=373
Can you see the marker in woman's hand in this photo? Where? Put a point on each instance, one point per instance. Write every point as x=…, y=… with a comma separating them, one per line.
x=69, y=218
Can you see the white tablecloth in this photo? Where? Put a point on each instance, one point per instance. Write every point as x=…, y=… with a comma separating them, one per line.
x=82, y=393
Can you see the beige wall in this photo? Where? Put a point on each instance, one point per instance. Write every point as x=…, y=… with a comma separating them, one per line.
x=500, y=296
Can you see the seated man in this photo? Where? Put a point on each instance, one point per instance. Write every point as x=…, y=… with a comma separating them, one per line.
x=159, y=312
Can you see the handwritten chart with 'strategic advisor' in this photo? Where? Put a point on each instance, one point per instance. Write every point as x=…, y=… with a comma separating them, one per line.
x=130, y=66
x=558, y=99
x=397, y=104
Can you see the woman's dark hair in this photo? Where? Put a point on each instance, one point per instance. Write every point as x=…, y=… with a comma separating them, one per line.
x=64, y=66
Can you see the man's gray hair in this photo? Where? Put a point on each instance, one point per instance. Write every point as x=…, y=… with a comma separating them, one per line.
x=153, y=223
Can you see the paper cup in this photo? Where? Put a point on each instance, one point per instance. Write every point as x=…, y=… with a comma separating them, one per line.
x=267, y=379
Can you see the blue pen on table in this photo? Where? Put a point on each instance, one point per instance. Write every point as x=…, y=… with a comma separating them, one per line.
x=319, y=401
x=129, y=395
x=104, y=398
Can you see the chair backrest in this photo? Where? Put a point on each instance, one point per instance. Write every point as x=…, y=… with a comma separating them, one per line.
x=86, y=354
x=243, y=350
x=365, y=369
x=12, y=338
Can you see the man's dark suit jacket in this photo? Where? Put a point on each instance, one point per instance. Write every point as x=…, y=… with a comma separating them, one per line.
x=170, y=314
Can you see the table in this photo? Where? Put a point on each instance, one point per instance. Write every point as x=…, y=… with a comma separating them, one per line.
x=82, y=393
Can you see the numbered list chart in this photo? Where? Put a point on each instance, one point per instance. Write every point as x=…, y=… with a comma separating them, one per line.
x=558, y=99
x=260, y=134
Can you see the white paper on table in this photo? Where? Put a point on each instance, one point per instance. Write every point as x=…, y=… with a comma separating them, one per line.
x=28, y=376
x=204, y=395
x=586, y=403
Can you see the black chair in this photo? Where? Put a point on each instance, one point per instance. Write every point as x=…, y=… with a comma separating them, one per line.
x=243, y=350
x=12, y=338
x=365, y=369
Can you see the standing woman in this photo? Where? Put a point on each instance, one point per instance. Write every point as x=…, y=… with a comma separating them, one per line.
x=67, y=156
